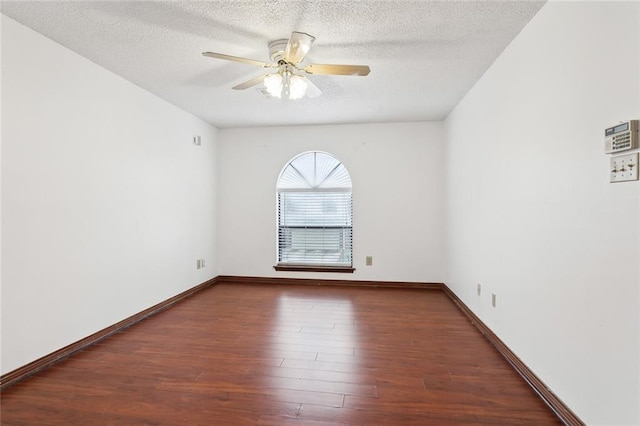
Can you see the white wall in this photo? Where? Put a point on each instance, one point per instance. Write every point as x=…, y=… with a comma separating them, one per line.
x=106, y=203
x=1, y=132
x=396, y=170
x=532, y=217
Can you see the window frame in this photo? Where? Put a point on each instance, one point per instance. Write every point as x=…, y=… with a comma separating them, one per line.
x=308, y=187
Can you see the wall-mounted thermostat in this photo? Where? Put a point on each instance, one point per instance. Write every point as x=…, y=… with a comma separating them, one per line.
x=621, y=137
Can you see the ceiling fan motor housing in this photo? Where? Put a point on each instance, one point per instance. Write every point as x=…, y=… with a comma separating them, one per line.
x=277, y=49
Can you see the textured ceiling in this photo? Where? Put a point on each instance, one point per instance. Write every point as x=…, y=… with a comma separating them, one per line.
x=424, y=55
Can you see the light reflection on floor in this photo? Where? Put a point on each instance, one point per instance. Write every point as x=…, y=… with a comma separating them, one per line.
x=317, y=338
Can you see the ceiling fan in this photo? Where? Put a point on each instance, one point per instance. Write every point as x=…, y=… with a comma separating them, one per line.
x=287, y=80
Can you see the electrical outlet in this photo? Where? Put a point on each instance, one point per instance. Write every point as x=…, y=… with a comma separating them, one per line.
x=624, y=168
x=198, y=264
x=493, y=300
x=197, y=140
x=202, y=263
x=479, y=289
x=369, y=260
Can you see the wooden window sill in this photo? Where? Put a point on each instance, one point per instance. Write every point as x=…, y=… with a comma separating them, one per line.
x=315, y=268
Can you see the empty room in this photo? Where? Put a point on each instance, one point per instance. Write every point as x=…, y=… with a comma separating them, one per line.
x=320, y=212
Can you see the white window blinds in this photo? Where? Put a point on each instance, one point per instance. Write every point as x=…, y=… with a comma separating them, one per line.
x=315, y=212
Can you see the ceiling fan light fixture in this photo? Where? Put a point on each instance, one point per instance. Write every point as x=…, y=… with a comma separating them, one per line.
x=285, y=85
x=273, y=83
x=297, y=87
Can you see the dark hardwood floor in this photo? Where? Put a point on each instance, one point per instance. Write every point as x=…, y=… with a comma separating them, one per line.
x=286, y=355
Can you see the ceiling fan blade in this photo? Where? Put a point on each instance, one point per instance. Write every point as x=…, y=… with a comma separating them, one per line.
x=249, y=83
x=236, y=59
x=313, y=91
x=297, y=47
x=338, y=69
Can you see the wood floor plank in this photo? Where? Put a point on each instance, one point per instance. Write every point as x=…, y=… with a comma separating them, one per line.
x=243, y=354
x=330, y=376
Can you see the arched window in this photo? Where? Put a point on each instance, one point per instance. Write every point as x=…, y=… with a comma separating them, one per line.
x=315, y=214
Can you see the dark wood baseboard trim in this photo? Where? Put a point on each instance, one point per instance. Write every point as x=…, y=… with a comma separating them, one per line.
x=563, y=412
x=53, y=358
x=234, y=279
